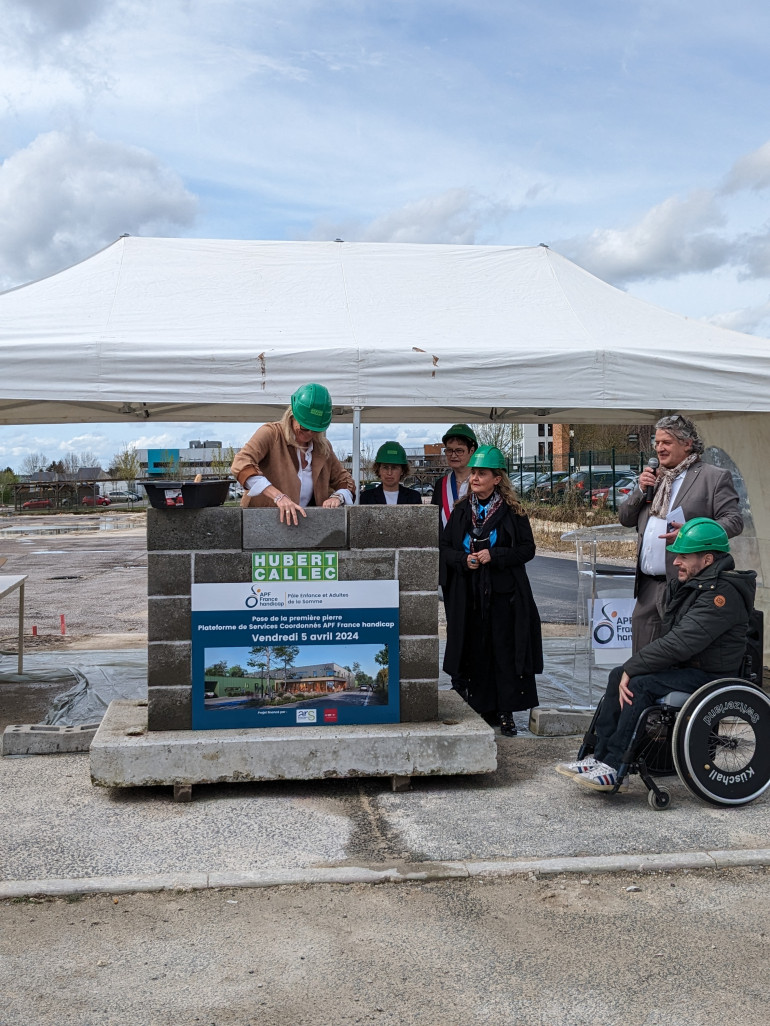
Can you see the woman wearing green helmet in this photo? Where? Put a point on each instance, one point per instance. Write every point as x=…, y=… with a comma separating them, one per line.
x=290, y=463
x=459, y=445
x=391, y=466
x=493, y=626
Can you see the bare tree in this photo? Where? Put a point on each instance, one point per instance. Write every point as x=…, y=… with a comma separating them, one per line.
x=33, y=462
x=73, y=461
x=603, y=437
x=506, y=437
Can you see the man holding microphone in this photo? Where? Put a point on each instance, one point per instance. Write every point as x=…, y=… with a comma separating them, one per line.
x=674, y=488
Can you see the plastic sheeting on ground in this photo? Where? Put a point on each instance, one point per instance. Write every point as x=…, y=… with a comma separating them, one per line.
x=90, y=681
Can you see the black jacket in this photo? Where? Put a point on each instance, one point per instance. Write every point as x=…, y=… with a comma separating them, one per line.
x=704, y=624
x=376, y=496
x=508, y=577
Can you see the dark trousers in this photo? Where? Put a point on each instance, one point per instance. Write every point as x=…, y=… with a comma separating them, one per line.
x=614, y=726
x=646, y=619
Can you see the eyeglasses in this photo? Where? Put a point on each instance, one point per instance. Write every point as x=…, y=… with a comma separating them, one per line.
x=456, y=452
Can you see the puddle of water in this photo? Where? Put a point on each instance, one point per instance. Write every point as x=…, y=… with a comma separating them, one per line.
x=44, y=529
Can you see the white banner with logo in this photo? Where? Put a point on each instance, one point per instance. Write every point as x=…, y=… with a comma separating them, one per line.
x=610, y=620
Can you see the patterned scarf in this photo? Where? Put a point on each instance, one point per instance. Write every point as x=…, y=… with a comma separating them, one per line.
x=666, y=477
x=481, y=519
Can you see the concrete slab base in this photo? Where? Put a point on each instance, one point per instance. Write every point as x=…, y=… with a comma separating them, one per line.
x=559, y=722
x=125, y=754
x=42, y=739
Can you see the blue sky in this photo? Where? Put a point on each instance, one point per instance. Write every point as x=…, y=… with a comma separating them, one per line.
x=632, y=137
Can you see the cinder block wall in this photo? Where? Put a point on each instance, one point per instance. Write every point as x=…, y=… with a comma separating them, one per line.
x=210, y=546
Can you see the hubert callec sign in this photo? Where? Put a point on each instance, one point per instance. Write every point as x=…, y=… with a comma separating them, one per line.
x=295, y=651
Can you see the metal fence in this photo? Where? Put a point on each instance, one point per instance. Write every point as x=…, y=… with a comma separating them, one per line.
x=585, y=477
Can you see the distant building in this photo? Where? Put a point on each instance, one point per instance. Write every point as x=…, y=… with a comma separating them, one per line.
x=200, y=457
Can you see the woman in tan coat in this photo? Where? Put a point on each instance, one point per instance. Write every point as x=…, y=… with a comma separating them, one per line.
x=290, y=464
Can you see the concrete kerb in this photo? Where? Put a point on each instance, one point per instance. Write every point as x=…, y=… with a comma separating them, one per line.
x=406, y=873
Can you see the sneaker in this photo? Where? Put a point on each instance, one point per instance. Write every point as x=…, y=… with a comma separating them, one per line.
x=601, y=778
x=574, y=769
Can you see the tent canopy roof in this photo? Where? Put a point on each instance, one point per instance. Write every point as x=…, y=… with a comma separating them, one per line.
x=191, y=329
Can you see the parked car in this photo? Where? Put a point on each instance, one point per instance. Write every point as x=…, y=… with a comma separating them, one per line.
x=124, y=497
x=549, y=487
x=96, y=500
x=37, y=504
x=581, y=483
x=609, y=496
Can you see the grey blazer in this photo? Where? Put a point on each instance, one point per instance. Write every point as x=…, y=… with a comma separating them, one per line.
x=706, y=491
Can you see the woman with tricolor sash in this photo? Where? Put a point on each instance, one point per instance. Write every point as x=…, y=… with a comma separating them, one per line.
x=459, y=445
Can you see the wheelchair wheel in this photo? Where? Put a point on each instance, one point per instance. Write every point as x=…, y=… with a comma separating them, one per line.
x=659, y=801
x=721, y=742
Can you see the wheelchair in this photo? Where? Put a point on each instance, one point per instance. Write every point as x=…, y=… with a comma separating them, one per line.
x=717, y=739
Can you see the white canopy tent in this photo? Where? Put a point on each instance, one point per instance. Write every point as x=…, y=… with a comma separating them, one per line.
x=190, y=329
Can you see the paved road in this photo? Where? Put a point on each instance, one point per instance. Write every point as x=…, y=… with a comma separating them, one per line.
x=554, y=583
x=673, y=949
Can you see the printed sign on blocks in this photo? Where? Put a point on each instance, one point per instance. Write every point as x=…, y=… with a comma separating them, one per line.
x=295, y=654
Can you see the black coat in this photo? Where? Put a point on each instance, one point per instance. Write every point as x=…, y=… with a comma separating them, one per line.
x=376, y=496
x=704, y=624
x=514, y=614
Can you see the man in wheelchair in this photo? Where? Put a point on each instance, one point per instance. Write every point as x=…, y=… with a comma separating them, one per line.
x=703, y=639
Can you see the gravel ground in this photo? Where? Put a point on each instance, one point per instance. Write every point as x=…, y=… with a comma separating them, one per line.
x=96, y=578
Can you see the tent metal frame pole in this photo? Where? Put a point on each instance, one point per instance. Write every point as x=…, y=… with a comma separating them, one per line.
x=357, y=451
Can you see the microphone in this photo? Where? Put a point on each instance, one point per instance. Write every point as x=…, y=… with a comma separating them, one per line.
x=652, y=464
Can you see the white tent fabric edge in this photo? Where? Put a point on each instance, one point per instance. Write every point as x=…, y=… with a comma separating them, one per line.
x=188, y=329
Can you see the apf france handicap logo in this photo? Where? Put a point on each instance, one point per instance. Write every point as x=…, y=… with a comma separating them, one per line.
x=611, y=623
x=604, y=630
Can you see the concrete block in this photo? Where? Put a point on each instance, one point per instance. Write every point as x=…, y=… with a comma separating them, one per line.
x=216, y=527
x=377, y=527
x=418, y=613
x=320, y=529
x=367, y=565
x=169, y=573
x=169, y=664
x=125, y=754
x=169, y=709
x=419, y=700
x=559, y=722
x=168, y=618
x=418, y=658
x=42, y=739
x=221, y=567
x=417, y=569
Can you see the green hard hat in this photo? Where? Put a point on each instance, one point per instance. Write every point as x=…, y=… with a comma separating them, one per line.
x=460, y=431
x=701, y=534
x=391, y=452
x=311, y=406
x=487, y=456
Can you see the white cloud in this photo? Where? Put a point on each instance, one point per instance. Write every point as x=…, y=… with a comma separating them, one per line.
x=751, y=171
x=456, y=216
x=749, y=319
x=68, y=194
x=672, y=238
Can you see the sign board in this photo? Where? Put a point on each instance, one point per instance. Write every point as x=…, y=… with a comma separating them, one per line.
x=610, y=620
x=294, y=566
x=289, y=653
